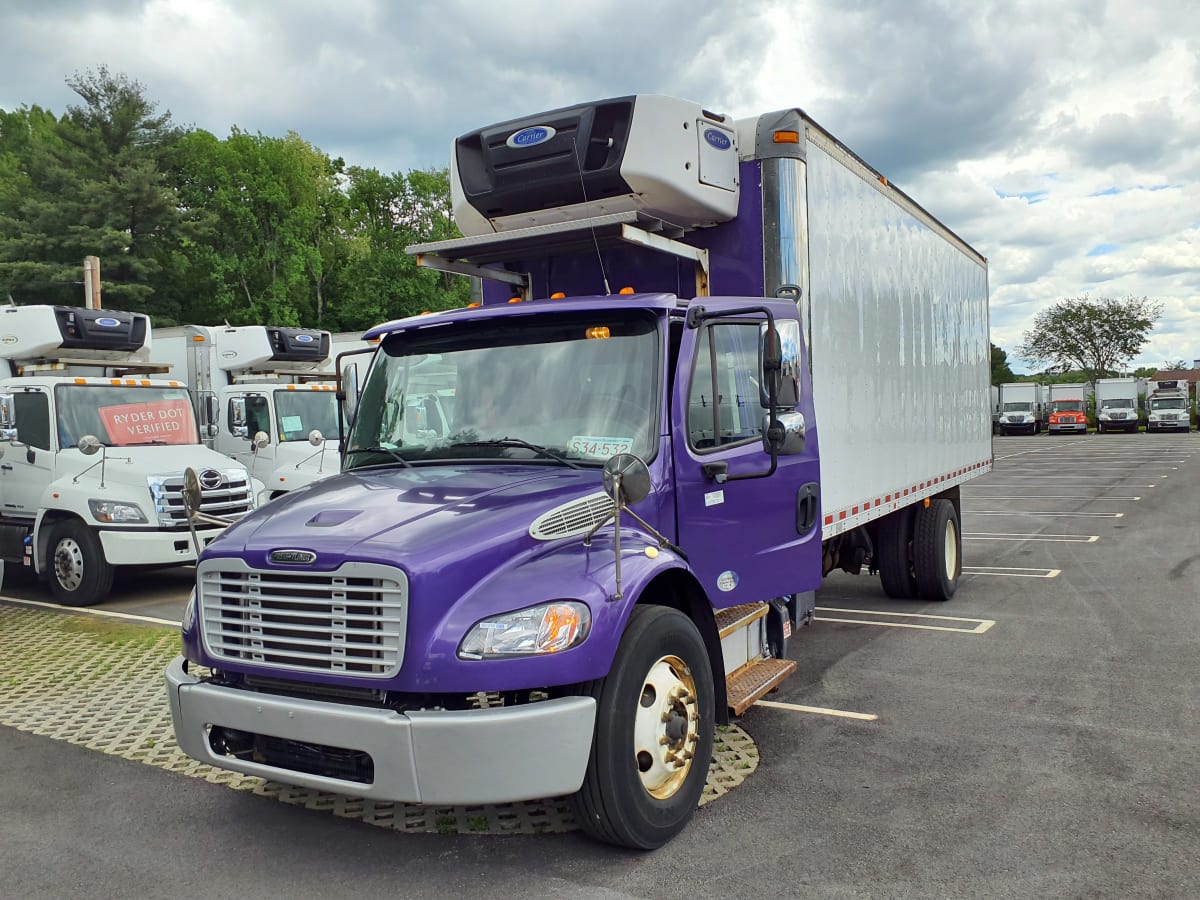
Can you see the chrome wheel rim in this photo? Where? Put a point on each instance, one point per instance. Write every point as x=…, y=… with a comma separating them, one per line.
x=68, y=564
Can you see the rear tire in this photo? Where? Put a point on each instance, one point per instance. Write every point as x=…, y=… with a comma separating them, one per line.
x=893, y=553
x=79, y=573
x=641, y=787
x=937, y=550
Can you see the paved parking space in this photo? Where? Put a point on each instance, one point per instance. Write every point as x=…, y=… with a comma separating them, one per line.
x=1036, y=736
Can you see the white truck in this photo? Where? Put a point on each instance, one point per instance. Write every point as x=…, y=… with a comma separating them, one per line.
x=266, y=393
x=1168, y=407
x=1022, y=407
x=1067, y=411
x=1116, y=405
x=995, y=403
x=93, y=451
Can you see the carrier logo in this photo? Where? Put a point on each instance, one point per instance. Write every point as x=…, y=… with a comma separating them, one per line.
x=304, y=339
x=301, y=557
x=531, y=137
x=210, y=479
x=108, y=323
x=717, y=139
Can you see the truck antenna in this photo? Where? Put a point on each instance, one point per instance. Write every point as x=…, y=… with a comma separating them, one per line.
x=595, y=242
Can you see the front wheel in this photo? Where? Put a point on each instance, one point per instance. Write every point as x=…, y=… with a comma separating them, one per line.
x=79, y=573
x=654, y=733
x=937, y=550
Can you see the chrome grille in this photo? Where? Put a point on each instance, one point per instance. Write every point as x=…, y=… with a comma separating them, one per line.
x=348, y=622
x=231, y=498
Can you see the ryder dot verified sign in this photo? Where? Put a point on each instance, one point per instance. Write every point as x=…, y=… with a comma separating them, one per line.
x=164, y=421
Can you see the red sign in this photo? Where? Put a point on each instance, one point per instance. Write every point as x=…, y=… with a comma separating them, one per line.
x=157, y=421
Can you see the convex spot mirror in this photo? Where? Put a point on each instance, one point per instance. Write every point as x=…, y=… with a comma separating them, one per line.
x=260, y=440
x=314, y=437
x=191, y=490
x=631, y=474
x=89, y=445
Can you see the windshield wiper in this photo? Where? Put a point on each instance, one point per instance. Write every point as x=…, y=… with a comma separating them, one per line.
x=519, y=442
x=400, y=459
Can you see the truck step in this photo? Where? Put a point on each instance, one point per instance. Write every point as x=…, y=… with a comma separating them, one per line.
x=735, y=617
x=754, y=680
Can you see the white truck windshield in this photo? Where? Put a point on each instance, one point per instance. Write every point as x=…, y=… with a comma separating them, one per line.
x=1017, y=407
x=1117, y=403
x=570, y=387
x=1169, y=403
x=297, y=412
x=125, y=415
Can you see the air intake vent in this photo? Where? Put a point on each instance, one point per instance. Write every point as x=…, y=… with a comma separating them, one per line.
x=571, y=519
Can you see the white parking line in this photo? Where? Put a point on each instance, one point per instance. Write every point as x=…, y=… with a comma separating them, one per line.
x=1068, y=515
x=1011, y=571
x=1049, y=497
x=102, y=613
x=981, y=625
x=1046, y=538
x=818, y=710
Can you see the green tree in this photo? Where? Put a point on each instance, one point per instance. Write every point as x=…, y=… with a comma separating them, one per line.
x=266, y=228
x=91, y=185
x=385, y=214
x=1001, y=373
x=1093, y=336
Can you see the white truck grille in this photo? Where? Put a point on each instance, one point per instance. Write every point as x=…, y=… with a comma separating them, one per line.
x=351, y=621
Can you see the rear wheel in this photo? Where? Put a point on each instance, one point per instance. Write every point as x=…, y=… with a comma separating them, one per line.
x=893, y=555
x=79, y=573
x=654, y=731
x=937, y=550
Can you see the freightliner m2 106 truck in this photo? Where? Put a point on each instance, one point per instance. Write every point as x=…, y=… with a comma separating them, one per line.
x=1116, y=405
x=1067, y=409
x=266, y=390
x=1022, y=407
x=93, y=451
x=1168, y=407
x=651, y=458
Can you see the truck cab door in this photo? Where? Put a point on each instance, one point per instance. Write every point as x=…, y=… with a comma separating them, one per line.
x=27, y=467
x=747, y=539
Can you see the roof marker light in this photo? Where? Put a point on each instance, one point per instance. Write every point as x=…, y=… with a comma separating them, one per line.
x=625, y=290
x=557, y=295
x=598, y=333
x=786, y=137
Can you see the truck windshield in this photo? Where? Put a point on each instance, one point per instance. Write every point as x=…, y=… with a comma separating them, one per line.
x=570, y=386
x=1017, y=407
x=125, y=416
x=1116, y=403
x=1066, y=406
x=1171, y=403
x=297, y=412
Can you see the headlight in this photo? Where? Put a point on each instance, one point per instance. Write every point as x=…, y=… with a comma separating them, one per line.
x=117, y=512
x=547, y=628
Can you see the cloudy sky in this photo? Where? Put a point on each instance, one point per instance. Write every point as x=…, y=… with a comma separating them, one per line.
x=1061, y=139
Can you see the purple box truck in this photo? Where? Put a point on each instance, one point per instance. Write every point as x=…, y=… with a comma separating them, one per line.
x=577, y=526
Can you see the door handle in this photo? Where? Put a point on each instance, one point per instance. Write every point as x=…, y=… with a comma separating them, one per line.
x=806, y=507
x=6, y=467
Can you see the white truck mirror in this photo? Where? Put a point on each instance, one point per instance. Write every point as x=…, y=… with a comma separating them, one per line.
x=237, y=417
x=89, y=445
x=261, y=440
x=315, y=437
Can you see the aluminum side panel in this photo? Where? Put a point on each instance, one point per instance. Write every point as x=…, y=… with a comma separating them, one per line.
x=900, y=353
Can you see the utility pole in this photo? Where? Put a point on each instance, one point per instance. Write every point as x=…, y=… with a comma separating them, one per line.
x=91, y=282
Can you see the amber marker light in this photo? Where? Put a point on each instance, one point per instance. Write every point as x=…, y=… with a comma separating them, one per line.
x=786, y=137
x=558, y=295
x=597, y=333
x=626, y=291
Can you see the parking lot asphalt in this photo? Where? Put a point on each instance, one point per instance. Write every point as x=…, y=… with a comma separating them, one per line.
x=1037, y=735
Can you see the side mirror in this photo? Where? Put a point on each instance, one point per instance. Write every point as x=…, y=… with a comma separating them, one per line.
x=772, y=363
x=211, y=430
x=348, y=394
x=780, y=382
x=314, y=437
x=213, y=409
x=89, y=445
x=260, y=440
x=784, y=437
x=8, y=418
x=237, y=417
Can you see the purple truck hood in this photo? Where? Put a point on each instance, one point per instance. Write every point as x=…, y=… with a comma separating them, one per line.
x=421, y=518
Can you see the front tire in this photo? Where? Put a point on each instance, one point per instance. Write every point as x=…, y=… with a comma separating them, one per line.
x=937, y=550
x=79, y=573
x=654, y=732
